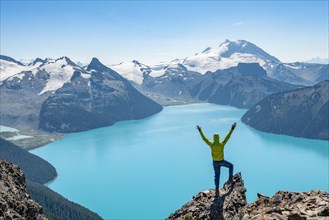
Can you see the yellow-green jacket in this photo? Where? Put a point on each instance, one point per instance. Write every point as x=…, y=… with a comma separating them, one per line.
x=217, y=147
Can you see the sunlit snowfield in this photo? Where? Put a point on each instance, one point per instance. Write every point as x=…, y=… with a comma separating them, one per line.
x=148, y=168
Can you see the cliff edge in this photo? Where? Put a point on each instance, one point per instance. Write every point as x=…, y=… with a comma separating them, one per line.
x=15, y=202
x=232, y=204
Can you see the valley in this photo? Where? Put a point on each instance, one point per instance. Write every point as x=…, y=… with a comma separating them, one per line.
x=54, y=95
x=85, y=110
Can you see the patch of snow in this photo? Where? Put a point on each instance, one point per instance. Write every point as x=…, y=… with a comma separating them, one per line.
x=86, y=76
x=130, y=70
x=18, y=137
x=203, y=64
x=60, y=72
x=7, y=129
x=10, y=70
x=293, y=67
x=157, y=73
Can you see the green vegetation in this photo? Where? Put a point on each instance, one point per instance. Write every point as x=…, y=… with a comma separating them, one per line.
x=35, y=168
x=56, y=206
x=35, y=139
x=37, y=172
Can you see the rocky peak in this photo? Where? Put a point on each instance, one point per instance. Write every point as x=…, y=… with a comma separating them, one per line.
x=100, y=70
x=136, y=62
x=205, y=205
x=95, y=64
x=232, y=204
x=15, y=202
x=37, y=60
x=243, y=46
x=251, y=69
x=49, y=60
x=9, y=59
x=67, y=60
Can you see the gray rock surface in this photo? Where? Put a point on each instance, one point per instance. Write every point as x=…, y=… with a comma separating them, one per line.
x=15, y=202
x=240, y=86
x=232, y=204
x=289, y=205
x=101, y=100
x=205, y=205
x=20, y=102
x=59, y=96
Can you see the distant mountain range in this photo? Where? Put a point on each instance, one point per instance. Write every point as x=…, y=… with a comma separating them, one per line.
x=241, y=86
x=58, y=95
x=300, y=113
x=177, y=81
x=229, y=54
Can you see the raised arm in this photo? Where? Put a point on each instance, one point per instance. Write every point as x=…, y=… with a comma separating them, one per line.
x=202, y=135
x=229, y=133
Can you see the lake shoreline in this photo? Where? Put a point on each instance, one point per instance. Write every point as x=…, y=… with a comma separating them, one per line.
x=98, y=151
x=42, y=138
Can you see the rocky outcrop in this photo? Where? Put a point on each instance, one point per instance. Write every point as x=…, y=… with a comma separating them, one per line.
x=15, y=202
x=206, y=205
x=289, y=205
x=232, y=204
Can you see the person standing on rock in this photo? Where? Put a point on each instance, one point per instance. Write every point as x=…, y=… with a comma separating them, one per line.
x=217, y=153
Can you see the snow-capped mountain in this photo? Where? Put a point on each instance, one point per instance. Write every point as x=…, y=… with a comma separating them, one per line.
x=56, y=95
x=100, y=100
x=173, y=83
x=229, y=54
x=10, y=67
x=60, y=71
x=133, y=71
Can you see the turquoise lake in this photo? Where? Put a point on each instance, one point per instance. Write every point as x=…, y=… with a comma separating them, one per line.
x=146, y=169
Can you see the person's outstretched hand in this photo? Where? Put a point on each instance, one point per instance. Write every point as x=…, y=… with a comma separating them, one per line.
x=233, y=125
x=198, y=127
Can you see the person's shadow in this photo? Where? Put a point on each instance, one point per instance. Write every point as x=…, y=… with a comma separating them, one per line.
x=217, y=206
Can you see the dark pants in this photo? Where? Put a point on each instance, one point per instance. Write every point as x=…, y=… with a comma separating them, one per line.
x=217, y=166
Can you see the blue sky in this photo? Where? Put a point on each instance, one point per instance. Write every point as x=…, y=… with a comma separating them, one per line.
x=153, y=31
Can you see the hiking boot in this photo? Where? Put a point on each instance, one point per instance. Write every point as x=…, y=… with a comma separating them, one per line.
x=231, y=181
x=216, y=192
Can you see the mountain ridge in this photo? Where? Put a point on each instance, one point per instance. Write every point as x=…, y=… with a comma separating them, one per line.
x=301, y=113
x=229, y=54
x=47, y=87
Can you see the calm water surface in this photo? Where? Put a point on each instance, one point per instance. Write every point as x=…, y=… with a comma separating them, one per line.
x=148, y=168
